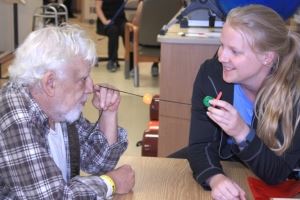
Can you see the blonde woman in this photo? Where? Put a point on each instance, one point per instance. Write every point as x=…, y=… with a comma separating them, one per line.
x=256, y=121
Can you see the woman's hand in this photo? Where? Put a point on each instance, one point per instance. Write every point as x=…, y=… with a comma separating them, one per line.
x=106, y=22
x=228, y=118
x=223, y=188
x=100, y=13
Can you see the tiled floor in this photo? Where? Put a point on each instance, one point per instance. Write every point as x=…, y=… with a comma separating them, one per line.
x=133, y=114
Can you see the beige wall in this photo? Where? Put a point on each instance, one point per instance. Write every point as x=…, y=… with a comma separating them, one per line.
x=25, y=14
x=88, y=11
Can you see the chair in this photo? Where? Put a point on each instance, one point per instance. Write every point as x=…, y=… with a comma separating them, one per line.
x=144, y=45
x=130, y=9
x=153, y=16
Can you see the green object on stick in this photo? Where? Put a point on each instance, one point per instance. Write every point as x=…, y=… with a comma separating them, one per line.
x=206, y=100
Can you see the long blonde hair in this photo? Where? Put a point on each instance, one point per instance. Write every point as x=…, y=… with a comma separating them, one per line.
x=277, y=101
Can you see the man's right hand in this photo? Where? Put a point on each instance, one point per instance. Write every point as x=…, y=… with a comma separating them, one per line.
x=224, y=188
x=124, y=179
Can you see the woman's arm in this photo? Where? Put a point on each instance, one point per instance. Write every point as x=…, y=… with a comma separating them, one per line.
x=100, y=13
x=270, y=167
x=204, y=136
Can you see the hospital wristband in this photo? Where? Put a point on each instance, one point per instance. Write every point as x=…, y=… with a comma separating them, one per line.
x=111, y=187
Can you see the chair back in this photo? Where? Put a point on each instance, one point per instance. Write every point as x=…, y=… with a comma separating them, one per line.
x=155, y=14
x=130, y=9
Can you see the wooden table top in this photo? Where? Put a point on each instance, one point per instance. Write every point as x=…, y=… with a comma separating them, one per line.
x=170, y=179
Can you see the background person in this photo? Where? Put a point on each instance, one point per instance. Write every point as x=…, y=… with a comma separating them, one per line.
x=44, y=138
x=106, y=10
x=69, y=5
x=257, y=119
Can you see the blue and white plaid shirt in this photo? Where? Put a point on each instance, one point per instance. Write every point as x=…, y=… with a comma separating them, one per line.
x=27, y=170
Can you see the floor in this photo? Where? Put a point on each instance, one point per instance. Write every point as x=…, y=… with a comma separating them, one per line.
x=133, y=114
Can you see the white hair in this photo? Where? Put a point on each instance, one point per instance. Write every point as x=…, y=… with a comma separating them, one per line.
x=48, y=49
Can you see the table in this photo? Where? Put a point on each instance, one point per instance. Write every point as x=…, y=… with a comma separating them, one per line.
x=171, y=179
x=181, y=57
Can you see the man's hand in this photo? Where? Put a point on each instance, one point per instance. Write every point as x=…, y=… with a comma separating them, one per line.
x=106, y=98
x=124, y=179
x=223, y=188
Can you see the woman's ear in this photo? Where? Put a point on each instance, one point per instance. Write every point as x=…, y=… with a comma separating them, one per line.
x=269, y=58
x=49, y=83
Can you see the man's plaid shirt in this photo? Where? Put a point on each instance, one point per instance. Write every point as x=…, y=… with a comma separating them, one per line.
x=27, y=170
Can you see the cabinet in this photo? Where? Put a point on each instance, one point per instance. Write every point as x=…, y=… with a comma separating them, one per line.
x=181, y=57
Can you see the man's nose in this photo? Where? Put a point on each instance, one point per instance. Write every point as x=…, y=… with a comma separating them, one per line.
x=89, y=85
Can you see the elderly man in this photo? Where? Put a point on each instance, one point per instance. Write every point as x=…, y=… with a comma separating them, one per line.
x=44, y=139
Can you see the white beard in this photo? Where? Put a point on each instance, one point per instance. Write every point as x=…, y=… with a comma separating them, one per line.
x=73, y=114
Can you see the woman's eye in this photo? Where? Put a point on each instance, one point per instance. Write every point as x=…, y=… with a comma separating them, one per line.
x=235, y=52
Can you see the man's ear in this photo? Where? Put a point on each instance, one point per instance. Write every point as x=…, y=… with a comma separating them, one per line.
x=49, y=83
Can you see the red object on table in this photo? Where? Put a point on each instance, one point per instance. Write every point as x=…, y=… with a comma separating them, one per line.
x=262, y=191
